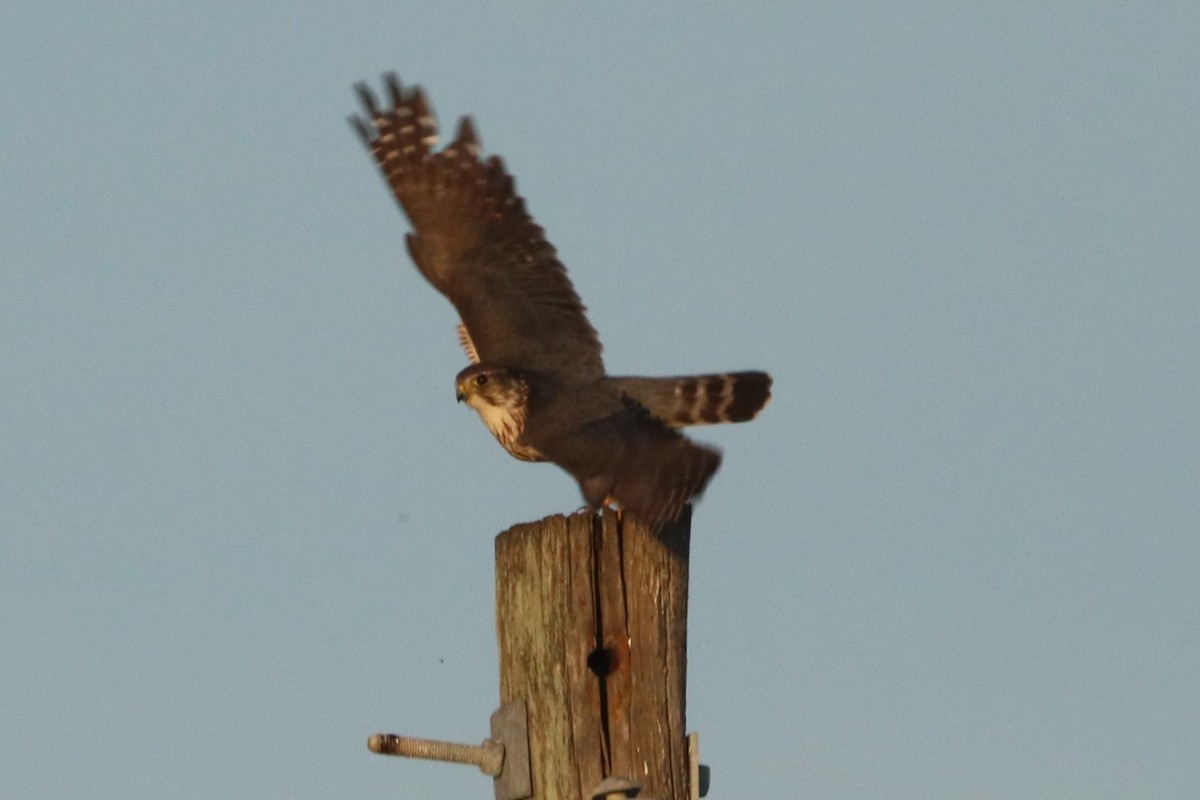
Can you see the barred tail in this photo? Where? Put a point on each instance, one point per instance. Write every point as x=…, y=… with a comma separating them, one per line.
x=700, y=399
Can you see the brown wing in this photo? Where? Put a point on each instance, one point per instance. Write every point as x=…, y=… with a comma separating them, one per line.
x=476, y=243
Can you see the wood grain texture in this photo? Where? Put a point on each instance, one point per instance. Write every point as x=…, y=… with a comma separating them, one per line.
x=591, y=618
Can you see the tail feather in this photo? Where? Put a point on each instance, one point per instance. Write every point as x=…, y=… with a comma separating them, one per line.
x=700, y=399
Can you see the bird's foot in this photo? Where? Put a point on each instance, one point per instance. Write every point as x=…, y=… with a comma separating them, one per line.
x=609, y=502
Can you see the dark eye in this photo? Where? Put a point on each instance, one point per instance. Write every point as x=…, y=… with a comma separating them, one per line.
x=480, y=380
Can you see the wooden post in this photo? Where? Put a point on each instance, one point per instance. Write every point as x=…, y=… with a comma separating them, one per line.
x=591, y=617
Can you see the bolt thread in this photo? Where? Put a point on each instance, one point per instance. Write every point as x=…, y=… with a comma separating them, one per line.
x=489, y=756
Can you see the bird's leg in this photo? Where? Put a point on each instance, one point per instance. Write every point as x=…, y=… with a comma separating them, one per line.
x=609, y=502
x=595, y=490
x=615, y=505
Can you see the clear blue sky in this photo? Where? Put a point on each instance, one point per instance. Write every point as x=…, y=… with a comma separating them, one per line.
x=244, y=524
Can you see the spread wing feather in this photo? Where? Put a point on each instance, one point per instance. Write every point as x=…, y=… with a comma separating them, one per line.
x=475, y=242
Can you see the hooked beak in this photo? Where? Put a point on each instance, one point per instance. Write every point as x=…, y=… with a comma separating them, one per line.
x=459, y=395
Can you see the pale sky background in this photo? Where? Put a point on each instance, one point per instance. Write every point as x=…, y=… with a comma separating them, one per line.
x=244, y=524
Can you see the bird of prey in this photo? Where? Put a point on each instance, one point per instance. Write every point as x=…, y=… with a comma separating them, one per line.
x=536, y=376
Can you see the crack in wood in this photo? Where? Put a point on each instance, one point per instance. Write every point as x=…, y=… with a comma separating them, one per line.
x=605, y=684
x=599, y=662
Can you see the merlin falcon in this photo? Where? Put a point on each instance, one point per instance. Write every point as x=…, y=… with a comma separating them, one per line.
x=537, y=378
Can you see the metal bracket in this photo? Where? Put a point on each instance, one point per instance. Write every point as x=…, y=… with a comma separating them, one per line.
x=699, y=774
x=510, y=727
x=505, y=756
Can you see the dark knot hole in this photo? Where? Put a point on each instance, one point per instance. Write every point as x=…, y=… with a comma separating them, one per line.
x=601, y=661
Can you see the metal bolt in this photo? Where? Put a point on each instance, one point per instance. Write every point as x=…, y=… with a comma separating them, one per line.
x=489, y=756
x=615, y=787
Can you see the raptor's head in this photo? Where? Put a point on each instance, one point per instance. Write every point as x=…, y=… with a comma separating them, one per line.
x=501, y=397
x=485, y=386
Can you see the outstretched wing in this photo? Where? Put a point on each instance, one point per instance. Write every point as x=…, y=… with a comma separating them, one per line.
x=475, y=242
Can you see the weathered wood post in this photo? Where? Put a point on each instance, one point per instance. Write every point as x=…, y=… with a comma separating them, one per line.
x=591, y=618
